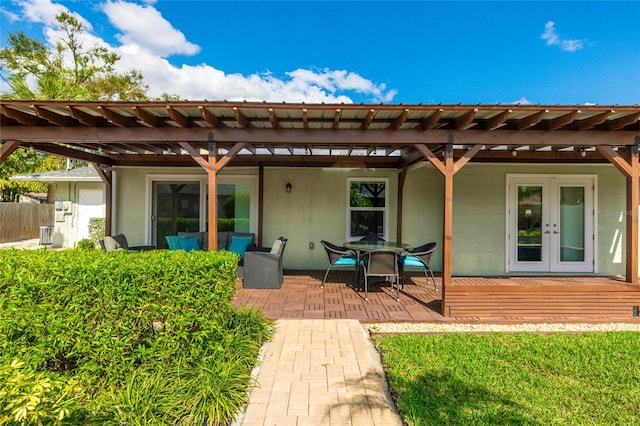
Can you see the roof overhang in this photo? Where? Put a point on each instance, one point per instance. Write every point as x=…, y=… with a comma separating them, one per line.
x=81, y=174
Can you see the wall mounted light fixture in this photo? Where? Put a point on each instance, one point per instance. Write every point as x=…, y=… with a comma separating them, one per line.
x=288, y=187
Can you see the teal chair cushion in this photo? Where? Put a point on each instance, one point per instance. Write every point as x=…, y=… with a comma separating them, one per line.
x=189, y=244
x=174, y=241
x=239, y=244
x=413, y=262
x=345, y=261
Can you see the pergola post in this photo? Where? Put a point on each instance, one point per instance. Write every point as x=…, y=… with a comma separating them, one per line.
x=628, y=165
x=447, y=223
x=212, y=195
x=402, y=176
x=448, y=167
x=107, y=178
x=212, y=165
x=632, y=214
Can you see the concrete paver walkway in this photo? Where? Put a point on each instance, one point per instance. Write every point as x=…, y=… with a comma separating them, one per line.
x=320, y=372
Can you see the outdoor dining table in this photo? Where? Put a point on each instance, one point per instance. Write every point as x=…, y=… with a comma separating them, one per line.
x=362, y=247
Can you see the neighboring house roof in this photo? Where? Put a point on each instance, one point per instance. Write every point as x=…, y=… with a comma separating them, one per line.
x=80, y=174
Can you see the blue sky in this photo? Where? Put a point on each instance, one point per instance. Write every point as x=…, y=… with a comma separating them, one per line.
x=427, y=52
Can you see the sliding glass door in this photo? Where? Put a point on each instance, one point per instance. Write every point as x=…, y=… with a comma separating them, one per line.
x=179, y=204
x=176, y=208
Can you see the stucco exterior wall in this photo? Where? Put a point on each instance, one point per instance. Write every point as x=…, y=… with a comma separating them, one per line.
x=315, y=209
x=479, y=214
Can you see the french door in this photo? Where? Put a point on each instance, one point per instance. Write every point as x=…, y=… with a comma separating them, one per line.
x=551, y=223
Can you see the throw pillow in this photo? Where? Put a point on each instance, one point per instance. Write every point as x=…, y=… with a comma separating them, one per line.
x=239, y=244
x=174, y=241
x=276, y=247
x=189, y=244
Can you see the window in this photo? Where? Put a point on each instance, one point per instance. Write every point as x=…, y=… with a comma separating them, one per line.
x=367, y=211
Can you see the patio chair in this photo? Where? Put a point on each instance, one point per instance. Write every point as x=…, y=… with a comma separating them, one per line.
x=381, y=263
x=263, y=269
x=119, y=242
x=339, y=257
x=419, y=258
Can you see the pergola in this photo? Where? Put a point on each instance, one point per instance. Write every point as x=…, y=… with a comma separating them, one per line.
x=214, y=135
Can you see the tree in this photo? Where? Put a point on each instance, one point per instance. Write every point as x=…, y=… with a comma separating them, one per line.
x=69, y=71
x=25, y=161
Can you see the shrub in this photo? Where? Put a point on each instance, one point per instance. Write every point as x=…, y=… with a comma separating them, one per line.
x=125, y=325
x=30, y=397
x=86, y=245
x=96, y=229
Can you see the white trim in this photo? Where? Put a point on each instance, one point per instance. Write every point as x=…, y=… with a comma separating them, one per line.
x=553, y=183
x=384, y=209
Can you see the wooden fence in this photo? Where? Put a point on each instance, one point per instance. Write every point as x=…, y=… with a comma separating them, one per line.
x=22, y=221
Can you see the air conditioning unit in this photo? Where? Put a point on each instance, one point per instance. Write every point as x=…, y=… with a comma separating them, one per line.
x=46, y=235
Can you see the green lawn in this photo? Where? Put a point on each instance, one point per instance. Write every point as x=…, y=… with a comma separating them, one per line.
x=519, y=378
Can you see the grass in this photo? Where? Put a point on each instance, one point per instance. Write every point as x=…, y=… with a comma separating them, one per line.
x=520, y=378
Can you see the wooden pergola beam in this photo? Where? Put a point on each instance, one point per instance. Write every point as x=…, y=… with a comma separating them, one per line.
x=400, y=120
x=616, y=159
x=208, y=116
x=115, y=118
x=273, y=119
x=7, y=149
x=300, y=137
x=57, y=119
x=84, y=117
x=368, y=119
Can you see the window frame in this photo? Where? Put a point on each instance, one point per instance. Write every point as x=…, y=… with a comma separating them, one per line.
x=349, y=209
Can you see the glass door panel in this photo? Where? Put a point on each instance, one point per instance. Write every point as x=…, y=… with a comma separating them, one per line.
x=529, y=222
x=176, y=208
x=572, y=224
x=234, y=207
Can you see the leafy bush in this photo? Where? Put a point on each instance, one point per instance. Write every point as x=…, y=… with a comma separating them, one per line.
x=96, y=229
x=86, y=245
x=36, y=397
x=151, y=336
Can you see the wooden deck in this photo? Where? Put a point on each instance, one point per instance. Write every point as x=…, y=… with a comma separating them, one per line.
x=468, y=299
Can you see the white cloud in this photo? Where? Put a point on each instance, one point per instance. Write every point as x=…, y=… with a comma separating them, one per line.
x=11, y=17
x=552, y=39
x=522, y=101
x=148, y=39
x=146, y=27
x=44, y=12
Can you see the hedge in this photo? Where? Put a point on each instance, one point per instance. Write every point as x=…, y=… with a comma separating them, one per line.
x=128, y=338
